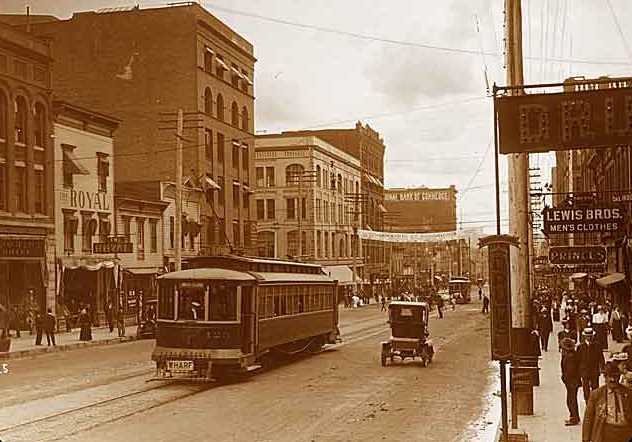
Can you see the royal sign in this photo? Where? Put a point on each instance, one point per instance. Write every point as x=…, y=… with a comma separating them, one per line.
x=578, y=255
x=586, y=119
x=582, y=220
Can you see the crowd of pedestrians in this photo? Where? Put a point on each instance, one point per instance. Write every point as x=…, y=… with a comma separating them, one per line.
x=584, y=345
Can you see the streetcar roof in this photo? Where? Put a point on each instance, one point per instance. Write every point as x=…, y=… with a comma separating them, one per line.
x=407, y=304
x=208, y=273
x=291, y=277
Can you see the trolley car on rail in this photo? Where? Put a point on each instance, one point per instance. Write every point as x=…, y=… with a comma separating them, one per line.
x=226, y=314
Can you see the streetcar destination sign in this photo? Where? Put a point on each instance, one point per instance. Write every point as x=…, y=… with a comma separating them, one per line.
x=577, y=255
x=584, y=220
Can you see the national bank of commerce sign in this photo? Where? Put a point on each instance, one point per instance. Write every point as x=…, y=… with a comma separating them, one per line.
x=598, y=116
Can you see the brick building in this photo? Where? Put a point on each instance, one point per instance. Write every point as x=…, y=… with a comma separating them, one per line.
x=142, y=65
x=27, y=242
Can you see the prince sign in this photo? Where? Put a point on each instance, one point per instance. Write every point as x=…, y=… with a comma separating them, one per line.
x=582, y=220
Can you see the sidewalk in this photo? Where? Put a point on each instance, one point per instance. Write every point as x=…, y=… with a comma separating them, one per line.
x=549, y=400
x=25, y=345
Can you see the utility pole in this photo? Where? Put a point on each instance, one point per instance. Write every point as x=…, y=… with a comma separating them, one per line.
x=356, y=199
x=518, y=171
x=178, y=217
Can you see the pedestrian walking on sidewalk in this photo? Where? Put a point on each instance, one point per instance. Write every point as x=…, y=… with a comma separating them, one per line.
x=545, y=327
x=383, y=309
x=120, y=320
x=608, y=416
x=600, y=325
x=615, y=324
x=485, y=303
x=110, y=316
x=49, y=328
x=85, y=326
x=566, y=332
x=39, y=328
x=571, y=378
x=591, y=360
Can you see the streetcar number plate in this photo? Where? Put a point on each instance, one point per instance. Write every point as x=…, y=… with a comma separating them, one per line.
x=180, y=365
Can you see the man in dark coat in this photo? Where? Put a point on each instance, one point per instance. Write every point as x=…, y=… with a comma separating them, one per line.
x=592, y=362
x=545, y=327
x=565, y=333
x=571, y=378
x=49, y=327
x=608, y=416
x=485, y=303
x=39, y=328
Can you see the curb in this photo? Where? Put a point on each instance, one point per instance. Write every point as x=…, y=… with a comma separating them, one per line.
x=65, y=347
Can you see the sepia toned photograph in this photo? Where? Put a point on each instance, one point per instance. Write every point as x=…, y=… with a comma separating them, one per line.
x=316, y=221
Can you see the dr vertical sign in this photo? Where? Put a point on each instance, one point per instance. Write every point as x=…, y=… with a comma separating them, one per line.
x=599, y=117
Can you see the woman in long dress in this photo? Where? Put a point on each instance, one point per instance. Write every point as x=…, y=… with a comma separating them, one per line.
x=616, y=325
x=85, y=324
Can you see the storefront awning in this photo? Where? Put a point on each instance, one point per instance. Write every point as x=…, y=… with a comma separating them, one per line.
x=210, y=183
x=91, y=267
x=610, y=279
x=341, y=273
x=72, y=164
x=144, y=271
x=579, y=275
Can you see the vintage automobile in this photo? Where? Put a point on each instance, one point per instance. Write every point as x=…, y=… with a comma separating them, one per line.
x=409, y=333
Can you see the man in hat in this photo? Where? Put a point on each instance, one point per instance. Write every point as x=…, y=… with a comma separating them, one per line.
x=571, y=378
x=591, y=362
x=545, y=327
x=193, y=314
x=608, y=416
x=566, y=332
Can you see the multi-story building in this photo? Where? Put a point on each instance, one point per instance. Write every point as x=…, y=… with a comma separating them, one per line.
x=27, y=241
x=142, y=65
x=84, y=207
x=304, y=200
x=145, y=219
x=365, y=144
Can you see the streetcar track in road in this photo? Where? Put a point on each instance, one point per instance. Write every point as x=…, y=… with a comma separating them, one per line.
x=53, y=420
x=21, y=398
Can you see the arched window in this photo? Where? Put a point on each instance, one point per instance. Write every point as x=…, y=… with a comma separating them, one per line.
x=234, y=115
x=208, y=101
x=318, y=177
x=21, y=113
x=220, y=107
x=245, y=124
x=292, y=174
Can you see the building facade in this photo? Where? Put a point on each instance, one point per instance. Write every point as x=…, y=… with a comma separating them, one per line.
x=365, y=144
x=27, y=241
x=304, y=200
x=142, y=65
x=84, y=208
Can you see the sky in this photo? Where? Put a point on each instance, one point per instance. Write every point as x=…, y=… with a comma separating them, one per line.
x=417, y=71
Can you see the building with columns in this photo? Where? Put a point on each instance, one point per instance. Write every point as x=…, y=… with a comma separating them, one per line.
x=304, y=201
x=27, y=241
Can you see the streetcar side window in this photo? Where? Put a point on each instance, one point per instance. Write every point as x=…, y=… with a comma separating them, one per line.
x=166, y=302
x=222, y=302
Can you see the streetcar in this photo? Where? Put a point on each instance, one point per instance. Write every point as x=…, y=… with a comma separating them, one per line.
x=459, y=288
x=226, y=315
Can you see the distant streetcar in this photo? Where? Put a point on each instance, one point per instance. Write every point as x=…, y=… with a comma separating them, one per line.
x=459, y=287
x=226, y=314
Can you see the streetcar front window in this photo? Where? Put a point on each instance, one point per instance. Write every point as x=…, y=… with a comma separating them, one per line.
x=191, y=301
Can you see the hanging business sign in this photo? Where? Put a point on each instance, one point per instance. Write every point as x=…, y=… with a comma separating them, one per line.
x=582, y=220
x=595, y=117
x=115, y=244
x=18, y=247
x=577, y=255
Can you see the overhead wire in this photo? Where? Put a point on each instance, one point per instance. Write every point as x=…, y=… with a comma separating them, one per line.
x=620, y=31
x=406, y=43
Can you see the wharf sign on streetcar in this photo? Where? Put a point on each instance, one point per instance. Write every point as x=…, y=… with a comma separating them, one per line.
x=582, y=220
x=598, y=116
x=577, y=255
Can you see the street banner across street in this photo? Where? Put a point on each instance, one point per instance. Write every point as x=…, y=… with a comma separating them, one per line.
x=409, y=237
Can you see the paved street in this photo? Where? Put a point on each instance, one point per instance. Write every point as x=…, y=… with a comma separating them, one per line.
x=342, y=394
